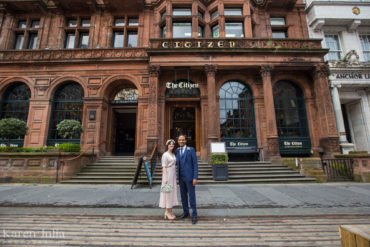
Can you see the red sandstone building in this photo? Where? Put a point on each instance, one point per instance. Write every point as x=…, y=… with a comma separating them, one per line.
x=136, y=73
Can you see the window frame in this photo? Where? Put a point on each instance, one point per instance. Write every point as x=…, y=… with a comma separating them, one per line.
x=26, y=30
x=127, y=28
x=278, y=28
x=365, y=52
x=78, y=30
x=338, y=52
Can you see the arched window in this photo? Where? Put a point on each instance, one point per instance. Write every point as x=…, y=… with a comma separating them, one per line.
x=67, y=104
x=126, y=96
x=291, y=119
x=16, y=102
x=236, y=111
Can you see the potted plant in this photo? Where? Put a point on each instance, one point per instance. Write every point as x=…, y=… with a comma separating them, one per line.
x=220, y=170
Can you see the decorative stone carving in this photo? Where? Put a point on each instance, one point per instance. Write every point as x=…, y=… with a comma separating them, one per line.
x=266, y=70
x=210, y=69
x=321, y=70
x=85, y=54
x=154, y=70
x=351, y=59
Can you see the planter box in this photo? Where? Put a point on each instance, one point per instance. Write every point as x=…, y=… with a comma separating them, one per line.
x=220, y=172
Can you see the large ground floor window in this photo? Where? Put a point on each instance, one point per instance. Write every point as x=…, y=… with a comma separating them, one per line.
x=67, y=104
x=291, y=119
x=15, y=104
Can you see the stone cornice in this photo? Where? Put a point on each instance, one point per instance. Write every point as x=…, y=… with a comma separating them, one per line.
x=72, y=55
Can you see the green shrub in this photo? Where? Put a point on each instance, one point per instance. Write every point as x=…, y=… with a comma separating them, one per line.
x=69, y=129
x=12, y=128
x=69, y=147
x=64, y=147
x=218, y=158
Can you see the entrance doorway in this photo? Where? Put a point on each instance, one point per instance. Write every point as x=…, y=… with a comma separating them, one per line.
x=125, y=132
x=183, y=121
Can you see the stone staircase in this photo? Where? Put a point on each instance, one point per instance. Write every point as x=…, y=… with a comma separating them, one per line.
x=121, y=170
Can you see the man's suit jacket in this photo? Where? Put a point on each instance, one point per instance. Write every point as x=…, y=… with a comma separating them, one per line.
x=187, y=164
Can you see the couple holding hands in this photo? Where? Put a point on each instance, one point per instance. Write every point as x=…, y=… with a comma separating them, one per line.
x=185, y=159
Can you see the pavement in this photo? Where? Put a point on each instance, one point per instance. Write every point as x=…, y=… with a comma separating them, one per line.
x=212, y=200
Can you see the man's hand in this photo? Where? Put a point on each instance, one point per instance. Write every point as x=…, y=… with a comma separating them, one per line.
x=195, y=181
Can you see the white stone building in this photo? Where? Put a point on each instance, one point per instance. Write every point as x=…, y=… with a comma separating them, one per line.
x=344, y=27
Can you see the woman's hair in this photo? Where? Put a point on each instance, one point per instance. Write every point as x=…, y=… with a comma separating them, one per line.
x=169, y=141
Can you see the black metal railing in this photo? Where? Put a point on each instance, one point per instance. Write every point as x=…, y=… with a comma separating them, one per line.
x=338, y=169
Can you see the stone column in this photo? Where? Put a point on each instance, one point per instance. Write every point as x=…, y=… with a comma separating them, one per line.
x=153, y=107
x=328, y=134
x=211, y=94
x=345, y=146
x=268, y=97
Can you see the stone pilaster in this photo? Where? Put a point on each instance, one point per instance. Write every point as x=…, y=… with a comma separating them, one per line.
x=268, y=97
x=211, y=94
x=153, y=107
x=326, y=120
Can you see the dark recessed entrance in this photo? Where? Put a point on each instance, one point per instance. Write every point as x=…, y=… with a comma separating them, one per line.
x=125, y=132
x=183, y=122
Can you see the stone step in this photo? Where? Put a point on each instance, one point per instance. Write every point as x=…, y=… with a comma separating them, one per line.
x=208, y=181
x=202, y=172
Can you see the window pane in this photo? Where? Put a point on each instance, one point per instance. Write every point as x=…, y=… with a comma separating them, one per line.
x=365, y=43
x=200, y=31
x=234, y=29
x=70, y=41
x=133, y=22
x=233, y=12
x=214, y=15
x=277, y=21
x=236, y=111
x=279, y=34
x=216, y=31
x=72, y=23
x=181, y=12
x=163, y=16
x=118, y=39
x=35, y=24
x=84, y=40
x=19, y=40
x=22, y=24
x=132, y=39
x=85, y=23
x=200, y=14
x=119, y=22
x=32, y=42
x=163, y=31
x=332, y=42
x=182, y=30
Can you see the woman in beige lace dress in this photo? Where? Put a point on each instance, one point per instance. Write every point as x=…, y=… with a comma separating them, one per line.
x=168, y=200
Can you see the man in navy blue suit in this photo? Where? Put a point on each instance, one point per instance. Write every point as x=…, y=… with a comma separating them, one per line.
x=187, y=164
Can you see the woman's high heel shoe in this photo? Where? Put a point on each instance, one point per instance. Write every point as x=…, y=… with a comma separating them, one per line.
x=169, y=216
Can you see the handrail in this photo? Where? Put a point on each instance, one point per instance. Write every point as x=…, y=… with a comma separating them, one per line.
x=153, y=159
x=62, y=162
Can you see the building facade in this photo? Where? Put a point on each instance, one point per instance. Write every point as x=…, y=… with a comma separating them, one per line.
x=346, y=33
x=136, y=73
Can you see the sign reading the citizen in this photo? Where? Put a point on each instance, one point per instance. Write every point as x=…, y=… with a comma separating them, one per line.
x=295, y=145
x=240, y=145
x=181, y=84
x=199, y=44
x=182, y=89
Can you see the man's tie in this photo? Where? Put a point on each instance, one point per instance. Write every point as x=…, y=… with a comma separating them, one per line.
x=181, y=151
